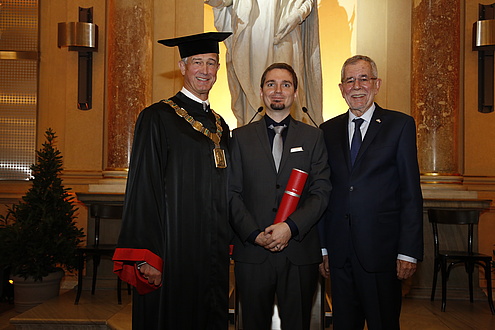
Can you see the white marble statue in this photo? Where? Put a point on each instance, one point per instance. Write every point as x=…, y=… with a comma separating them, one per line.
x=265, y=32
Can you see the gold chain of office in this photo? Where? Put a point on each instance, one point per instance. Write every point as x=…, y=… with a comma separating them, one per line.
x=197, y=125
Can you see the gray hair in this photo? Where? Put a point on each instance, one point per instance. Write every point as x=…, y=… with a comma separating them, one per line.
x=356, y=58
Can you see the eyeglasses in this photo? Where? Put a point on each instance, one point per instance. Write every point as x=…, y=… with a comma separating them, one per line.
x=365, y=81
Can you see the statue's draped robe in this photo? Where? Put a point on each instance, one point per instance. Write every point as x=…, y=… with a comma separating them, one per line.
x=265, y=32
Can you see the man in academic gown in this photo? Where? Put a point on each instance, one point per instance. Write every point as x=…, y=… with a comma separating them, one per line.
x=174, y=242
x=277, y=260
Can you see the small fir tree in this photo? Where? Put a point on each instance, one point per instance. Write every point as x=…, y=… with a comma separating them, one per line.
x=39, y=234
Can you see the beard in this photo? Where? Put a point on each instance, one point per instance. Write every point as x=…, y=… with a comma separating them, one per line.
x=277, y=106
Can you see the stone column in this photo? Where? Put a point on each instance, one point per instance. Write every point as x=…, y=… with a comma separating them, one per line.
x=435, y=90
x=129, y=75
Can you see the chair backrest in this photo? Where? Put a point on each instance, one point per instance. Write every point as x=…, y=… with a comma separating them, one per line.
x=467, y=217
x=104, y=211
x=454, y=216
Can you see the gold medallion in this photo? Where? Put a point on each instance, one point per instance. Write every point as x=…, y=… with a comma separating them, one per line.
x=219, y=155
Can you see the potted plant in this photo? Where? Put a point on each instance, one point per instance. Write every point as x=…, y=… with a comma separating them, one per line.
x=38, y=235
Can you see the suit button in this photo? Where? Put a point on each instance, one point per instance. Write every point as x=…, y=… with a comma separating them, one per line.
x=274, y=209
x=351, y=188
x=277, y=186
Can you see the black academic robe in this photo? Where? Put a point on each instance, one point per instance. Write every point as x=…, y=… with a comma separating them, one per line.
x=176, y=219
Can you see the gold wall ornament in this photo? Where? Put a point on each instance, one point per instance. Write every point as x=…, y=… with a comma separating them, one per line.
x=484, y=43
x=78, y=36
x=82, y=37
x=484, y=34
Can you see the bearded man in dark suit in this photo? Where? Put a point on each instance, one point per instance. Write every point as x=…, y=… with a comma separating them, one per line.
x=373, y=228
x=277, y=260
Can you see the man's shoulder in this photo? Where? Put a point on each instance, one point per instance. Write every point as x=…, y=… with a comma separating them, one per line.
x=156, y=109
x=334, y=121
x=248, y=128
x=303, y=130
x=393, y=118
x=302, y=125
x=392, y=113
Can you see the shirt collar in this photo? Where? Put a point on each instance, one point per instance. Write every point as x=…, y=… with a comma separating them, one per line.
x=269, y=121
x=193, y=97
x=366, y=116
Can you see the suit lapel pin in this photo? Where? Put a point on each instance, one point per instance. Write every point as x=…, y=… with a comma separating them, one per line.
x=379, y=121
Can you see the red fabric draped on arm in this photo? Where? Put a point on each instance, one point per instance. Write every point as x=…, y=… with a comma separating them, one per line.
x=125, y=267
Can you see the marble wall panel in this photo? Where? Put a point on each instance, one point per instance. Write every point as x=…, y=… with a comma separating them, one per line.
x=129, y=74
x=435, y=90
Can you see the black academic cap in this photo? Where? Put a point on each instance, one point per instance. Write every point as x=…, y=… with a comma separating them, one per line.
x=202, y=43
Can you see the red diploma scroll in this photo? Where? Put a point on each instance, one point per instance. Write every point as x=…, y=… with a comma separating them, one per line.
x=292, y=194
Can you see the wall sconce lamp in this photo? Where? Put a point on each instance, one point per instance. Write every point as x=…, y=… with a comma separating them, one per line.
x=484, y=43
x=81, y=37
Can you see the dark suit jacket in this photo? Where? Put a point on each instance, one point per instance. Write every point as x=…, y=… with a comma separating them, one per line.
x=378, y=202
x=256, y=189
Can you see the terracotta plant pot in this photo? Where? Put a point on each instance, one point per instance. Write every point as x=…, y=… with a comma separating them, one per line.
x=28, y=293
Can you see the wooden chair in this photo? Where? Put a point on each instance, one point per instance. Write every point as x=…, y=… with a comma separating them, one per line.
x=446, y=260
x=96, y=250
